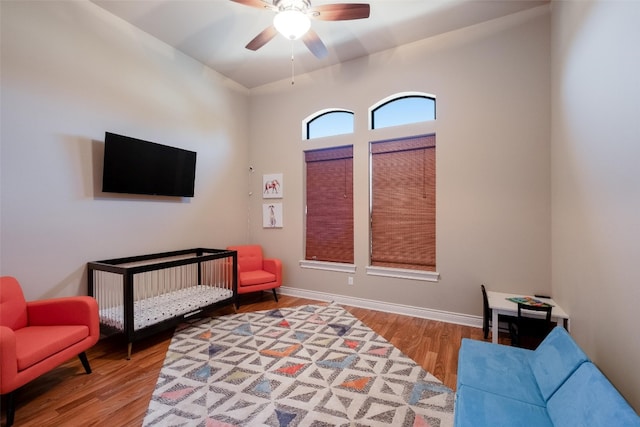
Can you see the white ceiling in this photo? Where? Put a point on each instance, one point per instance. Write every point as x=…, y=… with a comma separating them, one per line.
x=215, y=32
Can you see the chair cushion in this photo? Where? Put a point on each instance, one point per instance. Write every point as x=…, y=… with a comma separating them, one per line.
x=498, y=369
x=257, y=277
x=557, y=357
x=587, y=398
x=36, y=343
x=249, y=257
x=480, y=408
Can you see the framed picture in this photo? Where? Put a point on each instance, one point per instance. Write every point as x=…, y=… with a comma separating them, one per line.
x=272, y=215
x=272, y=186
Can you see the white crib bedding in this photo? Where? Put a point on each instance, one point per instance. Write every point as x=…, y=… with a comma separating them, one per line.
x=149, y=311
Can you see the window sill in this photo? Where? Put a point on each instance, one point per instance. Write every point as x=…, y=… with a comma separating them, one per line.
x=401, y=273
x=329, y=266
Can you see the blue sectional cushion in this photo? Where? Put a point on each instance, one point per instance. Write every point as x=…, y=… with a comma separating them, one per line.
x=555, y=359
x=479, y=408
x=498, y=369
x=555, y=385
x=587, y=398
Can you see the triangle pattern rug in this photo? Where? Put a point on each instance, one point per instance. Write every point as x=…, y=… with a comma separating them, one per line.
x=302, y=366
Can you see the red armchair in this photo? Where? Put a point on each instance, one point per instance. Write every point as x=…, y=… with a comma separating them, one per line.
x=37, y=336
x=256, y=273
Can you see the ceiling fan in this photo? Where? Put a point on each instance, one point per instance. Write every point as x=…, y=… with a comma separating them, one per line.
x=292, y=20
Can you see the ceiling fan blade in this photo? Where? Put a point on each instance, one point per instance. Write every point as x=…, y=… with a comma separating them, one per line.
x=256, y=3
x=263, y=38
x=315, y=45
x=340, y=11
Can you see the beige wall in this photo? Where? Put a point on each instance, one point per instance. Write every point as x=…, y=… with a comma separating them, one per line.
x=596, y=181
x=70, y=72
x=493, y=167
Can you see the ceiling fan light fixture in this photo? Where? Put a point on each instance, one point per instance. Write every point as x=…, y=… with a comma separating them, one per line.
x=292, y=24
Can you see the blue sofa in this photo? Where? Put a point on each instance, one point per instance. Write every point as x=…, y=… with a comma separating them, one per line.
x=554, y=385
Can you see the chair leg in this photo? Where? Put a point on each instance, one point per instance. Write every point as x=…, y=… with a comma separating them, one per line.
x=85, y=362
x=486, y=323
x=275, y=295
x=513, y=331
x=11, y=408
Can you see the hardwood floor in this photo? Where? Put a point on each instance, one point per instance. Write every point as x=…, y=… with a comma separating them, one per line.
x=118, y=391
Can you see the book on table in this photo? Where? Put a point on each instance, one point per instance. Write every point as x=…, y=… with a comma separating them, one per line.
x=530, y=301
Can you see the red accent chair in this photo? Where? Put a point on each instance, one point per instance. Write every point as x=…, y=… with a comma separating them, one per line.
x=256, y=273
x=38, y=336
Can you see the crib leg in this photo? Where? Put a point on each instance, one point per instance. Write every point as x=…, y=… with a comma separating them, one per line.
x=129, y=346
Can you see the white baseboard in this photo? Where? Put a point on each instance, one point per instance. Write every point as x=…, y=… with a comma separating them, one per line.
x=407, y=310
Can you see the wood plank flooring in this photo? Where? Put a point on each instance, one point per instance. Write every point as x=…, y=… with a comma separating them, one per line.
x=118, y=391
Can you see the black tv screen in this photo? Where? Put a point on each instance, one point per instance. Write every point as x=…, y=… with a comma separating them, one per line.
x=135, y=166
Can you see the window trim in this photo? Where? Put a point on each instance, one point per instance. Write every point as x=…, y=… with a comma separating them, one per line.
x=403, y=273
x=328, y=266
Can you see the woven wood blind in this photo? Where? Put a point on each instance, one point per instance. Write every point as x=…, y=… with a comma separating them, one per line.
x=329, y=234
x=403, y=216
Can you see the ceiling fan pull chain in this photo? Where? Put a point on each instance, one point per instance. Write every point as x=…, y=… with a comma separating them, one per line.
x=292, y=68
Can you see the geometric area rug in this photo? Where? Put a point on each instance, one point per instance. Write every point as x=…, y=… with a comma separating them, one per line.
x=301, y=366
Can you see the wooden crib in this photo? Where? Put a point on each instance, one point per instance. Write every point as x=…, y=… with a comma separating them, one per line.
x=142, y=295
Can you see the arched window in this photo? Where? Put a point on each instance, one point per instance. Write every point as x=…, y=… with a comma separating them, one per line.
x=402, y=185
x=401, y=109
x=328, y=122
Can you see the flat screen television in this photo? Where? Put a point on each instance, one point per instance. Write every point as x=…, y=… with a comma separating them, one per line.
x=134, y=166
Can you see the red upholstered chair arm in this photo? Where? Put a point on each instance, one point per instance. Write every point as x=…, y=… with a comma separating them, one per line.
x=8, y=359
x=273, y=266
x=81, y=310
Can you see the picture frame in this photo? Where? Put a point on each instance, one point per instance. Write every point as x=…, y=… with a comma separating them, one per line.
x=272, y=215
x=272, y=186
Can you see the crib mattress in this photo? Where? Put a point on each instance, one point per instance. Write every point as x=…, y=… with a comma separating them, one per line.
x=149, y=311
